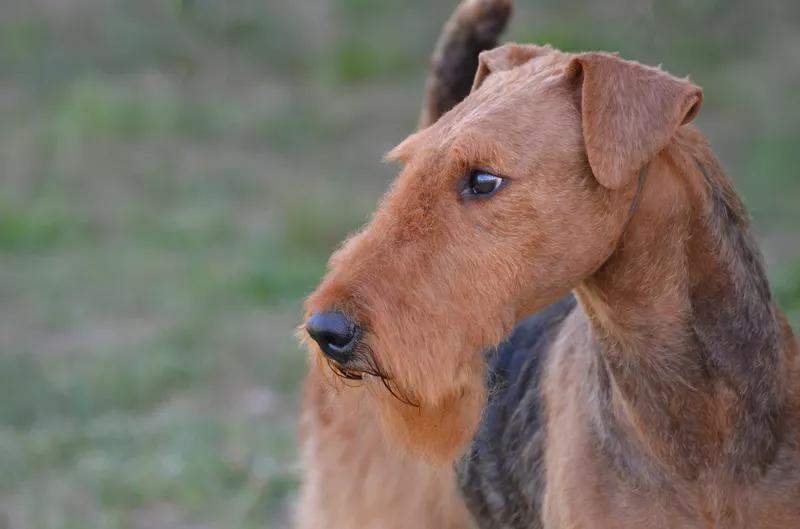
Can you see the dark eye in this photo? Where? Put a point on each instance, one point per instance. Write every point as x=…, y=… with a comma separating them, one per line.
x=481, y=184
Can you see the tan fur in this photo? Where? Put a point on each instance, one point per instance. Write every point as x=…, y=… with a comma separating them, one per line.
x=354, y=479
x=660, y=411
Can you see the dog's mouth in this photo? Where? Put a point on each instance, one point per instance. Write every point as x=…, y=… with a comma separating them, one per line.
x=363, y=366
x=358, y=365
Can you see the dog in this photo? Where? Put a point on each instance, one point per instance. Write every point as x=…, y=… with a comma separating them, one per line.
x=566, y=196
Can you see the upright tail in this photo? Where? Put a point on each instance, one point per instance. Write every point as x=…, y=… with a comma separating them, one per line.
x=474, y=26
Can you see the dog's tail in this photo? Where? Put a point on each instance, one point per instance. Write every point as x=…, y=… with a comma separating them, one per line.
x=473, y=27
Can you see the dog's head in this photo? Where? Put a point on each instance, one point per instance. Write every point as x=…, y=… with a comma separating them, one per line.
x=503, y=206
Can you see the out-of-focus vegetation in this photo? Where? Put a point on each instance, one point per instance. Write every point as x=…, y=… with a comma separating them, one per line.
x=174, y=175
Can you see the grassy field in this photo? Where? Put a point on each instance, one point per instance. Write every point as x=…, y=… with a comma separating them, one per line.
x=173, y=176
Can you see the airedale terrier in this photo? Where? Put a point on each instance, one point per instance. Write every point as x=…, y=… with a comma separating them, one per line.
x=656, y=385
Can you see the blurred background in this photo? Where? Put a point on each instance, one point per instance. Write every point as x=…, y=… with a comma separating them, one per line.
x=174, y=175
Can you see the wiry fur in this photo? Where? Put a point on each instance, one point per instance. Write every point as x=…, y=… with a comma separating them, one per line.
x=667, y=396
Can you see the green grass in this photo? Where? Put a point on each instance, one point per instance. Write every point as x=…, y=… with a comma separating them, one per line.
x=32, y=229
x=173, y=179
x=787, y=289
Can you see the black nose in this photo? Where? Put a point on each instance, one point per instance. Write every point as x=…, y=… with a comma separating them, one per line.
x=336, y=335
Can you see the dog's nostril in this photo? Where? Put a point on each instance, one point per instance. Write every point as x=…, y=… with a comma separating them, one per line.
x=334, y=333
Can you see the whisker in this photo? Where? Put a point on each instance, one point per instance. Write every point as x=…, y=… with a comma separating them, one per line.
x=370, y=367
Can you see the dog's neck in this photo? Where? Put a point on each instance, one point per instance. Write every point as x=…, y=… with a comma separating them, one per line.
x=687, y=375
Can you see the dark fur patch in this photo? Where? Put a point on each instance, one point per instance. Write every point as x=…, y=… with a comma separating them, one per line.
x=501, y=474
x=736, y=326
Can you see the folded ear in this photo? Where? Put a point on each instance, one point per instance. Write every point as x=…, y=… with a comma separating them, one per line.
x=630, y=112
x=505, y=57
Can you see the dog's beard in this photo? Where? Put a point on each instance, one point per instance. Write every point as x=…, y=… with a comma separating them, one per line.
x=366, y=365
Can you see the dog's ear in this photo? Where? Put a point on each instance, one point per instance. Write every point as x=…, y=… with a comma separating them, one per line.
x=505, y=57
x=630, y=112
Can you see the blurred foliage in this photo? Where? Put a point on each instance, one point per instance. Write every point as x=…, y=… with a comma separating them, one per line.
x=174, y=177
x=788, y=293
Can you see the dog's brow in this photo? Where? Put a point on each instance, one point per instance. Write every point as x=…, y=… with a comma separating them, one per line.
x=474, y=149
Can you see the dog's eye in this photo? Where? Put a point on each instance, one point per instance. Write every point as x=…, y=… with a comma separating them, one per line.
x=482, y=184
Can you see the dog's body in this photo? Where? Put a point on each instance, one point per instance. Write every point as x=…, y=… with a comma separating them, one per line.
x=503, y=474
x=663, y=393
